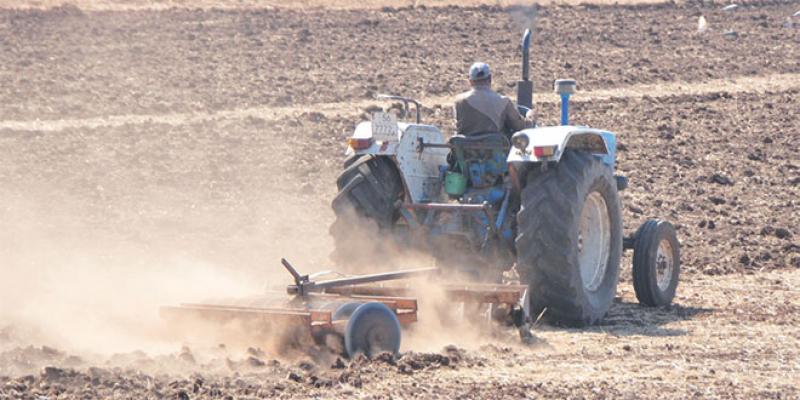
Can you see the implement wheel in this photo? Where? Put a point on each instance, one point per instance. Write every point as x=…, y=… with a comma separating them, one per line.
x=344, y=311
x=569, y=240
x=373, y=328
x=656, y=263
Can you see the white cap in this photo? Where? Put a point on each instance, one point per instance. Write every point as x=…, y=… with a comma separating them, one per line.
x=479, y=71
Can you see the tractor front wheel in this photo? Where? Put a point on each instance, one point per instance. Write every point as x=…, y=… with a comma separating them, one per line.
x=656, y=263
x=569, y=240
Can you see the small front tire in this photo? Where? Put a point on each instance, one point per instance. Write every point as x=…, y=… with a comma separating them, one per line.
x=656, y=263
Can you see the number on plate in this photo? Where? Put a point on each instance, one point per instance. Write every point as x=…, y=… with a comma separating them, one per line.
x=384, y=127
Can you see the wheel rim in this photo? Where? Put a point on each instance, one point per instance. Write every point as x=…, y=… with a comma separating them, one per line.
x=371, y=329
x=377, y=338
x=664, y=264
x=594, y=241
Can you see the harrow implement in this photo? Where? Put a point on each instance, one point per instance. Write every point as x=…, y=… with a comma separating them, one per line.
x=360, y=314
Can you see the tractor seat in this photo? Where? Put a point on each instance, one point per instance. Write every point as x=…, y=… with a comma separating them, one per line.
x=482, y=158
x=490, y=139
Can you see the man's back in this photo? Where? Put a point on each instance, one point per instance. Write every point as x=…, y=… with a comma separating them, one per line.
x=481, y=110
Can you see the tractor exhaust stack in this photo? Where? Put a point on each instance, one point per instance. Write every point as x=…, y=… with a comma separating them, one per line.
x=525, y=86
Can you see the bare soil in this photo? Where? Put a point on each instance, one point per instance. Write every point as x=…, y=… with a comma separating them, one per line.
x=124, y=5
x=721, y=340
x=151, y=155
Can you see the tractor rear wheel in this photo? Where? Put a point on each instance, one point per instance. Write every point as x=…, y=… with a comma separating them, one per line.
x=569, y=240
x=365, y=208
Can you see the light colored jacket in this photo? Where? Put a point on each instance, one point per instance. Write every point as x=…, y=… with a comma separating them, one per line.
x=482, y=110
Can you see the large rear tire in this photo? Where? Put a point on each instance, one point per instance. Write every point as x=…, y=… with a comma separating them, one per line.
x=569, y=240
x=365, y=208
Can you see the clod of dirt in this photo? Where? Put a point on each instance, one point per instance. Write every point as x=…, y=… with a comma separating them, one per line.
x=783, y=233
x=387, y=358
x=757, y=155
x=255, y=352
x=338, y=364
x=667, y=132
x=730, y=35
x=318, y=382
x=744, y=259
x=455, y=354
x=198, y=383
x=97, y=373
x=293, y=376
x=717, y=200
x=710, y=224
x=358, y=361
x=305, y=365
x=780, y=233
x=52, y=373
x=721, y=179
x=351, y=378
x=412, y=361
x=16, y=385
x=255, y=362
x=315, y=117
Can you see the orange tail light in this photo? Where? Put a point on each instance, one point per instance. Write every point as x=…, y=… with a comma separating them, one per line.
x=359, y=144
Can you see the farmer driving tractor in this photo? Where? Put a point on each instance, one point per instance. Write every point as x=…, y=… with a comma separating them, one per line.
x=482, y=110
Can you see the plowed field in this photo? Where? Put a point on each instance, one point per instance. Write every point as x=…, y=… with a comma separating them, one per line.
x=152, y=153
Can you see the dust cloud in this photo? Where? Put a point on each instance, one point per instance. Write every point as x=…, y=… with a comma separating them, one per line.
x=84, y=293
x=441, y=321
x=90, y=288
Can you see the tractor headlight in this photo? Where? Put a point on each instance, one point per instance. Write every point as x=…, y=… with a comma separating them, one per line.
x=520, y=140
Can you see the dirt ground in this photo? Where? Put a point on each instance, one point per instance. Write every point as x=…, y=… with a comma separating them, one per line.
x=293, y=4
x=152, y=153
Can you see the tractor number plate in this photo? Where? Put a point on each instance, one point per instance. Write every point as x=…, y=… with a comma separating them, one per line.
x=384, y=127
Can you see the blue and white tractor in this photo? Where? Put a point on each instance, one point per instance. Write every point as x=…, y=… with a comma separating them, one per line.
x=544, y=203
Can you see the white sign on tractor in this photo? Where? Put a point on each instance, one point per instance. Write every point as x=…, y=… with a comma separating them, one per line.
x=384, y=127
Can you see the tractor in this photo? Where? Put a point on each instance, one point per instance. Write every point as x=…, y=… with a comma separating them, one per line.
x=542, y=206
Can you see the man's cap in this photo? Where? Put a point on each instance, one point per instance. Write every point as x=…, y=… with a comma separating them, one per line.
x=479, y=71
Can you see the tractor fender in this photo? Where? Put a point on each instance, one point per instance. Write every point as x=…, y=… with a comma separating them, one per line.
x=364, y=131
x=419, y=170
x=598, y=142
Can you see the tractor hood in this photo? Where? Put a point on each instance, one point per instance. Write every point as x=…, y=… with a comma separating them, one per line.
x=548, y=143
